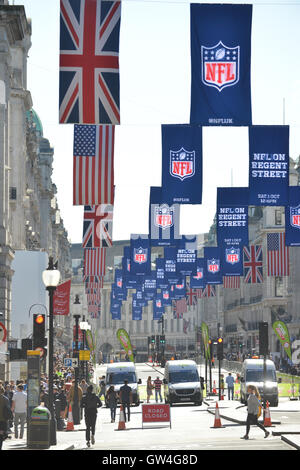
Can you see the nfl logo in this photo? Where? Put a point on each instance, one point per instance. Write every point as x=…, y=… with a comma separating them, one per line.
x=233, y=255
x=182, y=164
x=199, y=274
x=220, y=65
x=166, y=295
x=213, y=266
x=158, y=303
x=295, y=216
x=163, y=216
x=140, y=255
x=119, y=282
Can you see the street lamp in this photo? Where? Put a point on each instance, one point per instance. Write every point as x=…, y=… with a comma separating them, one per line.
x=84, y=326
x=51, y=277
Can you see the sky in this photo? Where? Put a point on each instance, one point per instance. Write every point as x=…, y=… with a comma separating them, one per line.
x=155, y=80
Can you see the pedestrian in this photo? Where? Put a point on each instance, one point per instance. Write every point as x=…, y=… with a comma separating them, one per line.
x=157, y=384
x=102, y=387
x=253, y=411
x=83, y=386
x=230, y=385
x=19, y=408
x=126, y=398
x=149, y=388
x=90, y=402
x=5, y=416
x=112, y=402
x=71, y=394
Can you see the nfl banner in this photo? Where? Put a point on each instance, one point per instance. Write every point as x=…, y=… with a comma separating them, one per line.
x=212, y=265
x=292, y=217
x=221, y=64
x=163, y=220
x=182, y=164
x=140, y=255
x=197, y=280
x=161, y=280
x=158, y=307
x=171, y=273
x=89, y=62
x=232, y=228
x=268, y=165
x=186, y=261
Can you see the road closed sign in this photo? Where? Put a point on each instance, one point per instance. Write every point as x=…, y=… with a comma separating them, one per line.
x=156, y=413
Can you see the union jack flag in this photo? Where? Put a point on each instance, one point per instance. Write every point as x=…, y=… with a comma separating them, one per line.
x=97, y=226
x=253, y=264
x=93, y=165
x=89, y=62
x=209, y=291
x=191, y=297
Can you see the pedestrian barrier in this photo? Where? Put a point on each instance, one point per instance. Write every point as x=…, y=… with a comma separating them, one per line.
x=122, y=425
x=217, y=423
x=70, y=423
x=267, y=416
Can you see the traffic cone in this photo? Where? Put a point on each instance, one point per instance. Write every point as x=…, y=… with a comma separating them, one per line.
x=121, y=426
x=214, y=390
x=70, y=424
x=217, y=423
x=267, y=416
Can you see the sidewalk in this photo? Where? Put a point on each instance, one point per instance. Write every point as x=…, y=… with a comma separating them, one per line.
x=232, y=410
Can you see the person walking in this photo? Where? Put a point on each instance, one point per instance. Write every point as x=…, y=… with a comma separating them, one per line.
x=253, y=410
x=112, y=401
x=5, y=416
x=149, y=388
x=157, y=384
x=19, y=408
x=102, y=387
x=230, y=385
x=90, y=402
x=126, y=398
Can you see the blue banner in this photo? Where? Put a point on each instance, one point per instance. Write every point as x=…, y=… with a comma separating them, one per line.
x=197, y=281
x=221, y=64
x=212, y=265
x=182, y=164
x=140, y=255
x=164, y=220
x=170, y=267
x=158, y=307
x=186, y=261
x=292, y=217
x=268, y=165
x=161, y=280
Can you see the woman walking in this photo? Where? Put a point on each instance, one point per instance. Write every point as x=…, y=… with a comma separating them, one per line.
x=112, y=401
x=150, y=387
x=253, y=410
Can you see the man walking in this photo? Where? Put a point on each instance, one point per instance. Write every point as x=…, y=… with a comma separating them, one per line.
x=157, y=385
x=19, y=408
x=126, y=398
x=90, y=402
x=230, y=385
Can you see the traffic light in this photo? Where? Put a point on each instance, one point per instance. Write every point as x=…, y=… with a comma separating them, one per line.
x=153, y=339
x=162, y=339
x=39, y=328
x=263, y=338
x=220, y=349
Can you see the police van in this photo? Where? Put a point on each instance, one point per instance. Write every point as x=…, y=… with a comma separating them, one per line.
x=182, y=382
x=117, y=372
x=253, y=374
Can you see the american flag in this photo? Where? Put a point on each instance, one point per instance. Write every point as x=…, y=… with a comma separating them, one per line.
x=93, y=282
x=97, y=226
x=191, y=297
x=278, y=255
x=93, y=165
x=89, y=62
x=231, y=282
x=179, y=308
x=94, y=262
x=253, y=264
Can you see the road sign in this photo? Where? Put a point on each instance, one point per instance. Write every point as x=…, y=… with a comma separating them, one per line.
x=84, y=355
x=3, y=332
x=70, y=362
x=156, y=414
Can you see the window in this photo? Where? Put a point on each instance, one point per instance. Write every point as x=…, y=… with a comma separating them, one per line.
x=13, y=193
x=278, y=217
x=279, y=290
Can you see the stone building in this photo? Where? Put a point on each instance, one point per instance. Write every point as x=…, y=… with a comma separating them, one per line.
x=29, y=215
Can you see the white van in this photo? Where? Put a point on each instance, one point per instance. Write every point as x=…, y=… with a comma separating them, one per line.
x=182, y=382
x=117, y=372
x=253, y=374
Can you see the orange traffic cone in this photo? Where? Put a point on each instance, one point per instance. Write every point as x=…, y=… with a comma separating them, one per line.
x=217, y=423
x=267, y=416
x=70, y=424
x=121, y=426
x=214, y=390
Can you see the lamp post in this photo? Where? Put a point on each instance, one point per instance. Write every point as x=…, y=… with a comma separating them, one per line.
x=51, y=277
x=76, y=316
x=84, y=326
